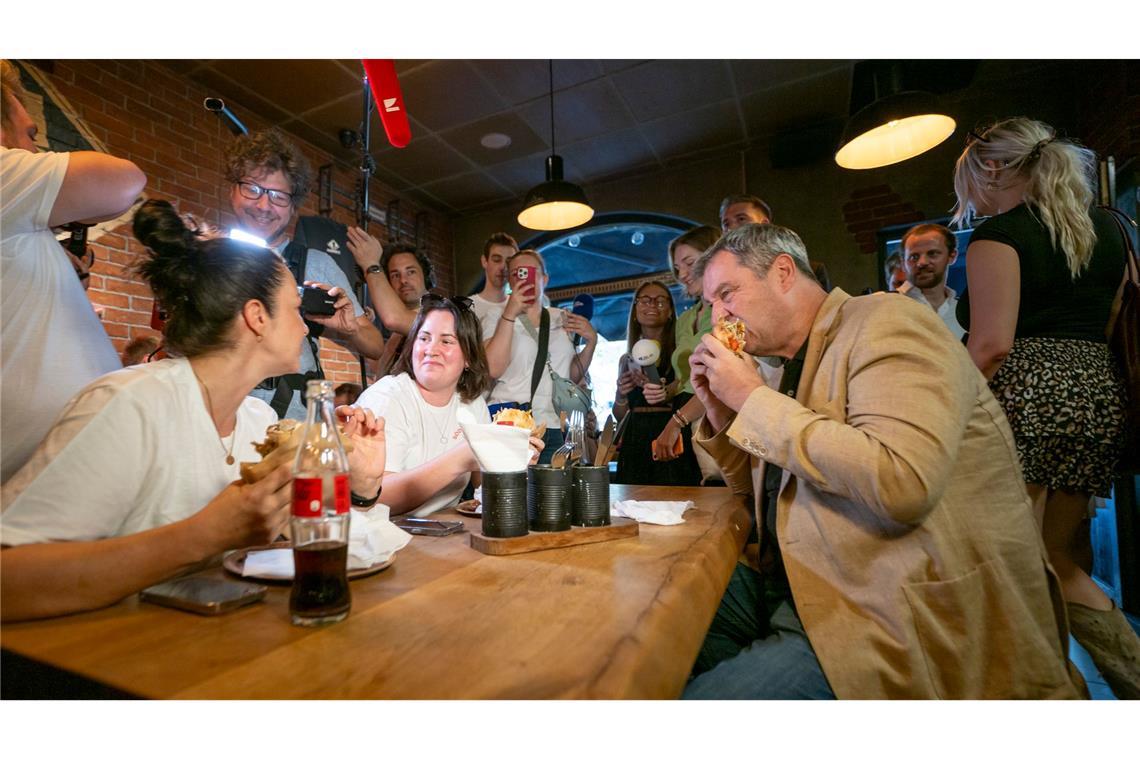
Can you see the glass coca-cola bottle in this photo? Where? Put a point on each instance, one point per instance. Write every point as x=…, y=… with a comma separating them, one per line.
x=320, y=516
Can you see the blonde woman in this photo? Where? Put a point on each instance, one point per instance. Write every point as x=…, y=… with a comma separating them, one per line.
x=1042, y=272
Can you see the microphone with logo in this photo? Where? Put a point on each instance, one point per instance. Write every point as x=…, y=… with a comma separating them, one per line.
x=583, y=307
x=647, y=352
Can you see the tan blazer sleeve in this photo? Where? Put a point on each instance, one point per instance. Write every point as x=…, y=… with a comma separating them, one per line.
x=735, y=464
x=891, y=441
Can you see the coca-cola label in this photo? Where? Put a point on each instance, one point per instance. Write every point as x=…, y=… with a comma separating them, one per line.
x=341, y=495
x=308, y=496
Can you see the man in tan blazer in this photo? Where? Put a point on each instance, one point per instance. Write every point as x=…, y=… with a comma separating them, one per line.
x=912, y=560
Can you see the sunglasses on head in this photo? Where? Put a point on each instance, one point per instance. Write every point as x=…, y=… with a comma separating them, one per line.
x=462, y=303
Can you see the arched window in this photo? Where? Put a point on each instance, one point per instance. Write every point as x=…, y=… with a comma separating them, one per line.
x=610, y=258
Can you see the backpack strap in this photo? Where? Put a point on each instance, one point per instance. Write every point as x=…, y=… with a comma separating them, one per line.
x=296, y=256
x=540, y=358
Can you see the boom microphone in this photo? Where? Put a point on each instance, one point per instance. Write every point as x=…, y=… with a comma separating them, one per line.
x=381, y=73
x=218, y=106
x=583, y=307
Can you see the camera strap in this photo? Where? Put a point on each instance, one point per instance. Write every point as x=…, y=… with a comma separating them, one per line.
x=296, y=256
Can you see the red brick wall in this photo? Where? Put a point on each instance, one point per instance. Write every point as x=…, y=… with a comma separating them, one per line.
x=145, y=112
x=872, y=208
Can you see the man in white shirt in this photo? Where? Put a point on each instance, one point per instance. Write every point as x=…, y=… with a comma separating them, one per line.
x=928, y=250
x=499, y=247
x=53, y=343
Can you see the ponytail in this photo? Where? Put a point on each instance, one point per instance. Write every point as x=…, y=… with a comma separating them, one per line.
x=1060, y=176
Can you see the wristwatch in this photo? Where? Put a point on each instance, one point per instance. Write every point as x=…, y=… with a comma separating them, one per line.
x=374, y=269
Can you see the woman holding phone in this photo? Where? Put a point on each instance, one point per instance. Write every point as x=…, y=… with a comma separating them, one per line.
x=512, y=331
x=138, y=481
x=441, y=370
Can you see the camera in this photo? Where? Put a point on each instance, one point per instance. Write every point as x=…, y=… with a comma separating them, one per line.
x=316, y=301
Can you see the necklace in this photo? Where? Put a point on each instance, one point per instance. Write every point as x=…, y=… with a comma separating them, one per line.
x=210, y=408
x=441, y=429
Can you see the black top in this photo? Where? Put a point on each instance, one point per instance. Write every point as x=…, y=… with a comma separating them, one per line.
x=1053, y=304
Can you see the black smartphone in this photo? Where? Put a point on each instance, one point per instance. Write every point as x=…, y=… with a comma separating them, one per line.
x=316, y=301
x=420, y=527
x=205, y=596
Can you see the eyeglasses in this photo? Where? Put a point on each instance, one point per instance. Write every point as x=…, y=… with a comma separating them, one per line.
x=973, y=137
x=254, y=191
x=429, y=299
x=652, y=300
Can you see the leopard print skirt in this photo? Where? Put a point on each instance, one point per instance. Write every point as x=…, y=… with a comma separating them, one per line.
x=1064, y=400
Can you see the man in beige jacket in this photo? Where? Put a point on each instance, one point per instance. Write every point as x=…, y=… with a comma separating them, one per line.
x=913, y=566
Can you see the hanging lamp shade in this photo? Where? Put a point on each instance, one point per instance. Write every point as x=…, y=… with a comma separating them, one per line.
x=555, y=204
x=895, y=122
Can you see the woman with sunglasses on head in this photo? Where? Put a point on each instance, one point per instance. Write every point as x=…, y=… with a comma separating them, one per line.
x=137, y=481
x=651, y=316
x=1042, y=272
x=512, y=347
x=442, y=369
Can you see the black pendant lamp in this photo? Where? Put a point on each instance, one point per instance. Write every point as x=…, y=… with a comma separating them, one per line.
x=555, y=204
x=897, y=125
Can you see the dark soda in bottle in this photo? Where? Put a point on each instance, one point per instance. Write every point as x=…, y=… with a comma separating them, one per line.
x=320, y=516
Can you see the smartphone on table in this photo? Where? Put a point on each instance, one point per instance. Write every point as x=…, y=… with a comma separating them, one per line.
x=419, y=526
x=205, y=596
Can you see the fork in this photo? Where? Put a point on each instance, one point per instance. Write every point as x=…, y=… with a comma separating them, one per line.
x=570, y=448
x=577, y=435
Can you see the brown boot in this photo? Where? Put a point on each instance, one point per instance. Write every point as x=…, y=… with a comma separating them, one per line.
x=1112, y=644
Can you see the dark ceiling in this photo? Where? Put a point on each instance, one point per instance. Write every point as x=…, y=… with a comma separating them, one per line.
x=613, y=118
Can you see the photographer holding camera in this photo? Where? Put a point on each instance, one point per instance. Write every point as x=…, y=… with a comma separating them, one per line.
x=53, y=341
x=269, y=177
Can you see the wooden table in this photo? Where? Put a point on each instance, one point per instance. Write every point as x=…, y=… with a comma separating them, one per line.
x=621, y=619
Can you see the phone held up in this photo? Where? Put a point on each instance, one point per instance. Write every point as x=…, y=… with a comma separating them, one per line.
x=526, y=276
x=205, y=596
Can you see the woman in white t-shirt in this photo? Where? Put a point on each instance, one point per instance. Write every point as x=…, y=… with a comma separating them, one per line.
x=442, y=369
x=135, y=481
x=512, y=349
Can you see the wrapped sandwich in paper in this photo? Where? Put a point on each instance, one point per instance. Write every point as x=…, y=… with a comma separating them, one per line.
x=504, y=444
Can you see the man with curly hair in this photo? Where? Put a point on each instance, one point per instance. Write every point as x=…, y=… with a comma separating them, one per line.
x=269, y=178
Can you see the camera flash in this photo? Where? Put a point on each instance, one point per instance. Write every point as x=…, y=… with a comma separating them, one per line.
x=245, y=237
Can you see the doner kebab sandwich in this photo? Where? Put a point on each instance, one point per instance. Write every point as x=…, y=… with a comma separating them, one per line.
x=280, y=446
x=730, y=332
x=518, y=418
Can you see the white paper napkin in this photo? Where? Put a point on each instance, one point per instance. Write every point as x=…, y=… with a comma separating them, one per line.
x=498, y=448
x=372, y=538
x=655, y=512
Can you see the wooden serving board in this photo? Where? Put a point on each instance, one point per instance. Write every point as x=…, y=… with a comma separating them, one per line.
x=621, y=527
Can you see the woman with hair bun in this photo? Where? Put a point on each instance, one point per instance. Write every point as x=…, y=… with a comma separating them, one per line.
x=137, y=479
x=1042, y=273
